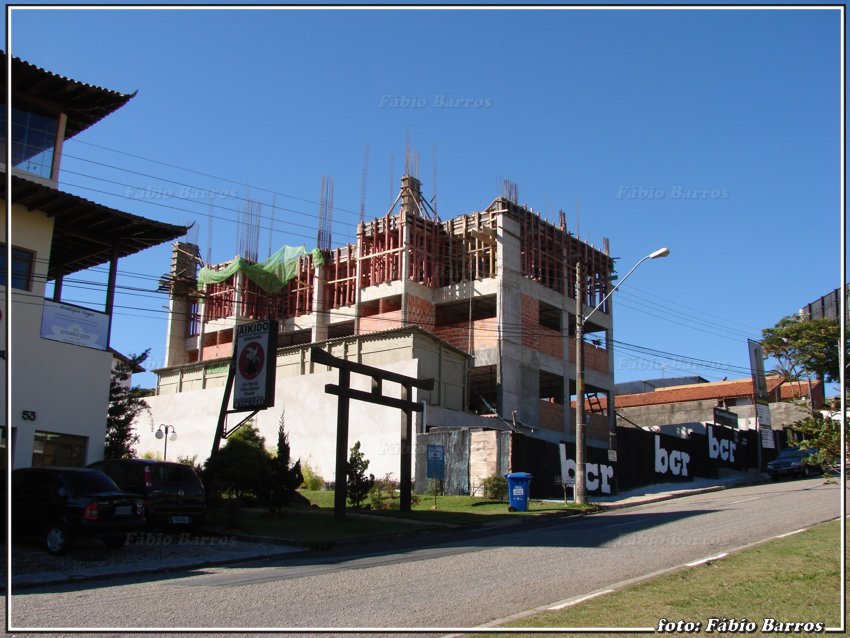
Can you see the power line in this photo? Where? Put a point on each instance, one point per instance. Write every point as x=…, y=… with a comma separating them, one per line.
x=197, y=172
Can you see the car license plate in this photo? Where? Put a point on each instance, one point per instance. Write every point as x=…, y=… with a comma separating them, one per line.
x=179, y=520
x=122, y=510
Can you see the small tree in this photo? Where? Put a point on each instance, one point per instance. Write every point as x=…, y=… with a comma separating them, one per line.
x=285, y=479
x=125, y=403
x=823, y=434
x=357, y=484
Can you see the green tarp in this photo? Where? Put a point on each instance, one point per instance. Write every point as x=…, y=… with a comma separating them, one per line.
x=271, y=275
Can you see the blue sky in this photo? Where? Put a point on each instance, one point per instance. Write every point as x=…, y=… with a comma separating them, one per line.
x=713, y=132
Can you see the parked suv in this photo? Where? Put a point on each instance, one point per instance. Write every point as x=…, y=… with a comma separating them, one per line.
x=58, y=504
x=173, y=492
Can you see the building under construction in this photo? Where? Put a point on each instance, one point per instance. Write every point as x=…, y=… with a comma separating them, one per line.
x=492, y=291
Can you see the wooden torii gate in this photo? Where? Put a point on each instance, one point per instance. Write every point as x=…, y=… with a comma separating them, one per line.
x=344, y=392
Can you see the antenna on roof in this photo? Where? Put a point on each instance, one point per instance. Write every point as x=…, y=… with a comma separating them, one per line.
x=363, y=182
x=326, y=213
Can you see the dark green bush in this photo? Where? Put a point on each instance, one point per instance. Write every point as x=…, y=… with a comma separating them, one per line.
x=495, y=487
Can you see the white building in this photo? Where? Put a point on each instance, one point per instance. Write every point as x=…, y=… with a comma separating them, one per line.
x=59, y=353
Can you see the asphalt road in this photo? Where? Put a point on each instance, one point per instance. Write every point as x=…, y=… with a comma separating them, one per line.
x=470, y=581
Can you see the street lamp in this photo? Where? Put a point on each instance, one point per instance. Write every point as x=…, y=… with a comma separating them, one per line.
x=163, y=433
x=581, y=319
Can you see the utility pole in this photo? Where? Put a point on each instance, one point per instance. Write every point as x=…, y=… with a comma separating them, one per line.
x=581, y=477
x=581, y=487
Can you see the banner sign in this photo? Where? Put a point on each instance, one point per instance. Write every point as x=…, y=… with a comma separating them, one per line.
x=757, y=369
x=763, y=414
x=255, y=361
x=725, y=417
x=722, y=446
x=598, y=476
x=74, y=325
x=436, y=462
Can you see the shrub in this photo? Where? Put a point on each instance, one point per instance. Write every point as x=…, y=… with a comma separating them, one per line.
x=312, y=479
x=242, y=467
x=495, y=487
x=383, y=492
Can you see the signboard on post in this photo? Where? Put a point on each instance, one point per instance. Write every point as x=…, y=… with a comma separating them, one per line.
x=436, y=462
x=764, y=425
x=74, y=325
x=757, y=369
x=725, y=417
x=255, y=362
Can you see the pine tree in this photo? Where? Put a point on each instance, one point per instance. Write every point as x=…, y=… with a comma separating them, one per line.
x=356, y=483
x=285, y=479
x=125, y=403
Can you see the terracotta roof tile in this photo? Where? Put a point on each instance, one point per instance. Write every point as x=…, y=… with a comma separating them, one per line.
x=736, y=388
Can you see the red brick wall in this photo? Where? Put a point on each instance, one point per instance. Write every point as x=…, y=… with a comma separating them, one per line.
x=485, y=334
x=380, y=322
x=552, y=416
x=420, y=312
x=594, y=358
x=540, y=338
x=218, y=351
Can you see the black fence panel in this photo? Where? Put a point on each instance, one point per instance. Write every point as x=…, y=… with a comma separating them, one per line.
x=542, y=460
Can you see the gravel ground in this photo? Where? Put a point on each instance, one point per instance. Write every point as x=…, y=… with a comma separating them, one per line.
x=146, y=550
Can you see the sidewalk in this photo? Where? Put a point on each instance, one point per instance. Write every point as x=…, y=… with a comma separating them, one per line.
x=155, y=554
x=664, y=491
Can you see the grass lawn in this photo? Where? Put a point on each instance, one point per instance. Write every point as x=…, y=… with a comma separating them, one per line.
x=318, y=525
x=790, y=579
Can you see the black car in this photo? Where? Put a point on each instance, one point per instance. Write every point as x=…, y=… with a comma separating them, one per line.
x=58, y=504
x=792, y=461
x=173, y=492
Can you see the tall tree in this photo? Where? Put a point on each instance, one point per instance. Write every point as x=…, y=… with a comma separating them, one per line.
x=285, y=479
x=804, y=346
x=125, y=403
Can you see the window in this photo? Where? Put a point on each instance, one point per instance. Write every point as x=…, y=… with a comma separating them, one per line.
x=33, y=141
x=50, y=449
x=22, y=267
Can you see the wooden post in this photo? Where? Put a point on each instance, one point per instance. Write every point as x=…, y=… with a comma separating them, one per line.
x=340, y=493
x=405, y=497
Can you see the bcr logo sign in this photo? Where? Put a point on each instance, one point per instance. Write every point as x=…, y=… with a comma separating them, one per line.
x=675, y=461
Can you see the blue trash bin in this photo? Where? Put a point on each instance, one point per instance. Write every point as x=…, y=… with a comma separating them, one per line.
x=518, y=485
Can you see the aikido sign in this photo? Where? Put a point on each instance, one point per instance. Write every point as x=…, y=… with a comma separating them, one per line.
x=254, y=358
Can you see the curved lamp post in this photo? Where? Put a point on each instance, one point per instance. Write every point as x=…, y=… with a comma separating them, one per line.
x=581, y=319
x=167, y=433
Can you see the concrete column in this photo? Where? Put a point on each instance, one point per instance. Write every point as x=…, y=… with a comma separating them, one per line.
x=509, y=314
x=183, y=267
x=320, y=314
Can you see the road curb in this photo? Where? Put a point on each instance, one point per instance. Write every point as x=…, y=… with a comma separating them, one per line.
x=23, y=583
